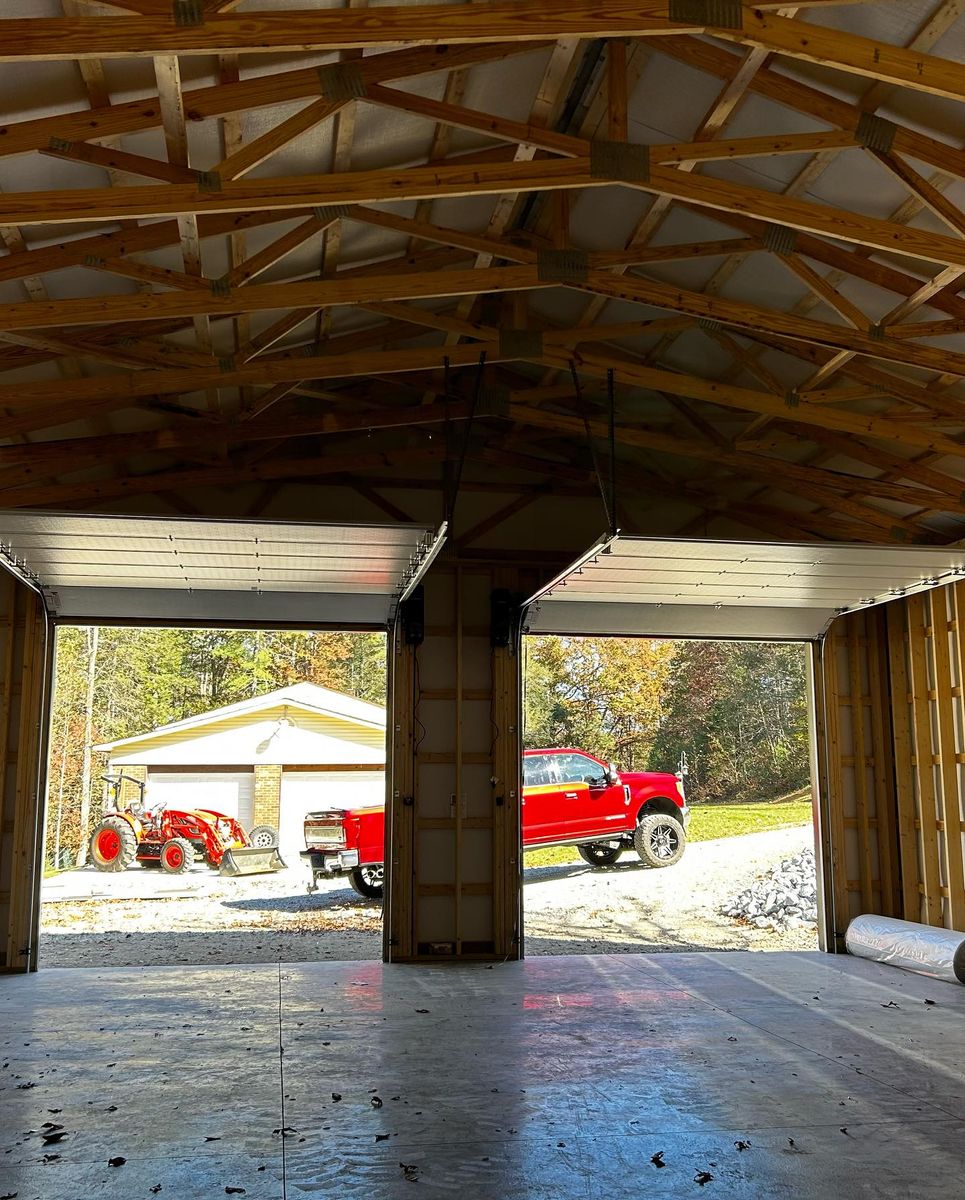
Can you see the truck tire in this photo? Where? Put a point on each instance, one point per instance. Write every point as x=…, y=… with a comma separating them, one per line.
x=113, y=845
x=368, y=881
x=600, y=854
x=264, y=837
x=177, y=856
x=659, y=840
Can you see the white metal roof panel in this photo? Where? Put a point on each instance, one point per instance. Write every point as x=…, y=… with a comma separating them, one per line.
x=665, y=587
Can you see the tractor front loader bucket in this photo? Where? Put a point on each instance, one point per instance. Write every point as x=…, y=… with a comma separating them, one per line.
x=252, y=861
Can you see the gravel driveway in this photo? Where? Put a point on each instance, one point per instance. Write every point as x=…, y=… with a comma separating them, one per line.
x=142, y=918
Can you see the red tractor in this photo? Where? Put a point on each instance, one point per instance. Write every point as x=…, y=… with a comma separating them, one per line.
x=173, y=839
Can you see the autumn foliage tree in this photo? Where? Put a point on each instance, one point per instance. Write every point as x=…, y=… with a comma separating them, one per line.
x=602, y=694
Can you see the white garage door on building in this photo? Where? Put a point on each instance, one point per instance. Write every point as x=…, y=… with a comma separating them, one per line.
x=228, y=792
x=305, y=791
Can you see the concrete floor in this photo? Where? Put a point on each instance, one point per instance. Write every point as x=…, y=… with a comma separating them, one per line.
x=556, y=1077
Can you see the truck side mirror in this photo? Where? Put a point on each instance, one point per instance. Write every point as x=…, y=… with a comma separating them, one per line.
x=612, y=773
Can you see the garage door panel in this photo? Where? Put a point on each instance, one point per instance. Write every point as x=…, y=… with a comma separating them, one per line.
x=305, y=791
x=228, y=792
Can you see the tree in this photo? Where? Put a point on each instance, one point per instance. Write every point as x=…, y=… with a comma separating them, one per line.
x=738, y=710
x=604, y=695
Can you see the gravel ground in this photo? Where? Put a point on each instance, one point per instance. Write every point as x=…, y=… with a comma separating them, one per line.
x=135, y=920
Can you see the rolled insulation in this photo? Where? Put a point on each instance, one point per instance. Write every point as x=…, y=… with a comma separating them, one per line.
x=924, y=949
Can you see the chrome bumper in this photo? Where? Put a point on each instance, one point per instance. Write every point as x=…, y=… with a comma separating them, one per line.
x=330, y=862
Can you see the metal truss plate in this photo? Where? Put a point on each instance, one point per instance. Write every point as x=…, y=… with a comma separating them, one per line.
x=342, y=81
x=330, y=211
x=779, y=239
x=723, y=14
x=875, y=133
x=188, y=12
x=620, y=161
x=520, y=343
x=561, y=266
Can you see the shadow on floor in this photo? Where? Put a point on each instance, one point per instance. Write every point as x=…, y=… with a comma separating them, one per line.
x=223, y=947
x=574, y=870
x=304, y=902
x=590, y=944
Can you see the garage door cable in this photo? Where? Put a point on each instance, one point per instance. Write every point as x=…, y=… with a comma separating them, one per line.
x=609, y=499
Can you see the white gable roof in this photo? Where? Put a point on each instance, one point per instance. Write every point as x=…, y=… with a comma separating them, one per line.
x=309, y=697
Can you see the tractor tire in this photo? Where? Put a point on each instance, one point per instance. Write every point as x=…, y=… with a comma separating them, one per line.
x=113, y=845
x=263, y=837
x=177, y=856
x=600, y=854
x=368, y=881
x=659, y=840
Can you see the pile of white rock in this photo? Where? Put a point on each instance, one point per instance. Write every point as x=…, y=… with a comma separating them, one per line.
x=784, y=898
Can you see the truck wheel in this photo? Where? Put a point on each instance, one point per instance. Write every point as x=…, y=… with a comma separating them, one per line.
x=368, y=881
x=659, y=840
x=264, y=837
x=177, y=856
x=113, y=845
x=600, y=854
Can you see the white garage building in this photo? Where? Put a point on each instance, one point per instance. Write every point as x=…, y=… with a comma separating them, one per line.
x=267, y=760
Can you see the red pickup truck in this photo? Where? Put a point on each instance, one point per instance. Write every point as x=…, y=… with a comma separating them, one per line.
x=570, y=798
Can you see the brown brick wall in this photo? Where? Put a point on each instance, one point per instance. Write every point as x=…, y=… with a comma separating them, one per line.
x=129, y=793
x=267, y=795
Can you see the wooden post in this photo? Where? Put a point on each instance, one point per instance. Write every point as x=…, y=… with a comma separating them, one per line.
x=924, y=770
x=902, y=734
x=617, y=97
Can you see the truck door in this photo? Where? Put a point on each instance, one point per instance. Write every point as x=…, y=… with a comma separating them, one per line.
x=541, y=799
x=590, y=805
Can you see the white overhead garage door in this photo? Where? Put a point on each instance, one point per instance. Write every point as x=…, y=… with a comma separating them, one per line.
x=101, y=566
x=228, y=792
x=305, y=791
x=664, y=587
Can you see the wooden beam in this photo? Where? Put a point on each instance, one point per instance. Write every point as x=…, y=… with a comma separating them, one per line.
x=46, y=39
x=24, y=405
x=363, y=287
x=317, y=467
x=861, y=56
x=444, y=180
x=112, y=159
x=670, y=154
x=347, y=288
x=218, y=100
x=812, y=101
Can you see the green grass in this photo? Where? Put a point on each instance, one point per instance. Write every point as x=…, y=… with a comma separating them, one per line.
x=708, y=822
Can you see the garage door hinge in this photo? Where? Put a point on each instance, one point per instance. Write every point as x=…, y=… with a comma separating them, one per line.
x=26, y=951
